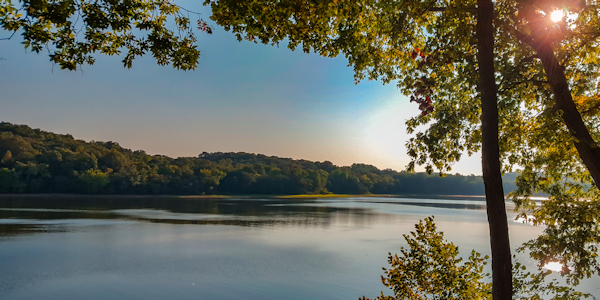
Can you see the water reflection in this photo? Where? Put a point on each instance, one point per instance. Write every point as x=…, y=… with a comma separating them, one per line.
x=478, y=206
x=168, y=247
x=240, y=207
x=237, y=212
x=20, y=229
x=220, y=206
x=165, y=210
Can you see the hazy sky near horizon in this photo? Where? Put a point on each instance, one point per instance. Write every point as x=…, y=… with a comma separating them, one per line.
x=242, y=97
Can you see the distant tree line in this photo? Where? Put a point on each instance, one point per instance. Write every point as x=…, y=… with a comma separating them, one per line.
x=35, y=161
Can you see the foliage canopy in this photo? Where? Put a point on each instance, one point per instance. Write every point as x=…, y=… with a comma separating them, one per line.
x=429, y=48
x=73, y=30
x=35, y=161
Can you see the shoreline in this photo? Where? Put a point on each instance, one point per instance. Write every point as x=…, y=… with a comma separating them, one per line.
x=216, y=197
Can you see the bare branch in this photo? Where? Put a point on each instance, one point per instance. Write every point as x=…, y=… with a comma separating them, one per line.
x=444, y=9
x=10, y=37
x=434, y=9
x=526, y=39
x=187, y=10
x=535, y=82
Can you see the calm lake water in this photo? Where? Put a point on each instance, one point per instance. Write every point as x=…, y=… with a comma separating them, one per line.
x=158, y=248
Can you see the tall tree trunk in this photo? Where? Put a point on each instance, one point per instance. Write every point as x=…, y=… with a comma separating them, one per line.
x=585, y=144
x=492, y=177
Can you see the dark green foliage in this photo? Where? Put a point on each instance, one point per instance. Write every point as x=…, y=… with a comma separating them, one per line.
x=73, y=31
x=7, y=178
x=35, y=161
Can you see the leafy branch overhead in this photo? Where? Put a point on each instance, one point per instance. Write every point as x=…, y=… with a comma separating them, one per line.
x=409, y=42
x=546, y=72
x=72, y=31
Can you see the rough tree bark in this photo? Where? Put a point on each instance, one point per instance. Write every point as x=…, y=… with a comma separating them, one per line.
x=492, y=177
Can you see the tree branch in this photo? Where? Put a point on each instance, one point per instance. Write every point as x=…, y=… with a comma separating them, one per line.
x=526, y=39
x=10, y=37
x=436, y=9
x=187, y=10
x=444, y=9
x=585, y=42
x=515, y=84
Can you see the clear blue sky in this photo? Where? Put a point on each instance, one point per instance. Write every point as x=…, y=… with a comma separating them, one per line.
x=242, y=97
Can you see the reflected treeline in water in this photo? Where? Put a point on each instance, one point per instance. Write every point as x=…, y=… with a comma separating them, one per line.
x=476, y=206
x=53, y=214
x=27, y=211
x=236, y=207
x=20, y=229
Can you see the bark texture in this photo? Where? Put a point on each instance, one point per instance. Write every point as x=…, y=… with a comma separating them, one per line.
x=492, y=177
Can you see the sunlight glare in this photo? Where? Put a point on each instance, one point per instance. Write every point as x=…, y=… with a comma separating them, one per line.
x=385, y=134
x=553, y=266
x=526, y=220
x=557, y=15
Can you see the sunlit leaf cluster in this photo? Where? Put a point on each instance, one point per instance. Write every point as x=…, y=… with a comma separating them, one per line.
x=430, y=268
x=538, y=285
x=72, y=31
x=534, y=137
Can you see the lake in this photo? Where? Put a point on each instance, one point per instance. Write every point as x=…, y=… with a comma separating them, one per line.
x=186, y=248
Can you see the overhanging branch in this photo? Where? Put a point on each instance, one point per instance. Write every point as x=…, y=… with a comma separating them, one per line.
x=10, y=37
x=526, y=39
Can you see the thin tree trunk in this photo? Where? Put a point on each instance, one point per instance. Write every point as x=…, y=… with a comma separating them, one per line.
x=492, y=178
x=585, y=144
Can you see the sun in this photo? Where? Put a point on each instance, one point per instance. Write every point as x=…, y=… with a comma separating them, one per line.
x=553, y=266
x=557, y=15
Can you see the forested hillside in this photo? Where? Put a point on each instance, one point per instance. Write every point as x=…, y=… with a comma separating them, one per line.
x=35, y=161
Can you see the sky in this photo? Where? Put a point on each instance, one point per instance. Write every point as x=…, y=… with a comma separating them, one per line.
x=243, y=97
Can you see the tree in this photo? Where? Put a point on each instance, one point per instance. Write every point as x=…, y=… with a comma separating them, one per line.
x=490, y=154
x=383, y=39
x=533, y=28
x=210, y=179
x=94, y=181
x=552, y=68
x=433, y=49
x=73, y=30
x=431, y=269
x=7, y=177
x=7, y=158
